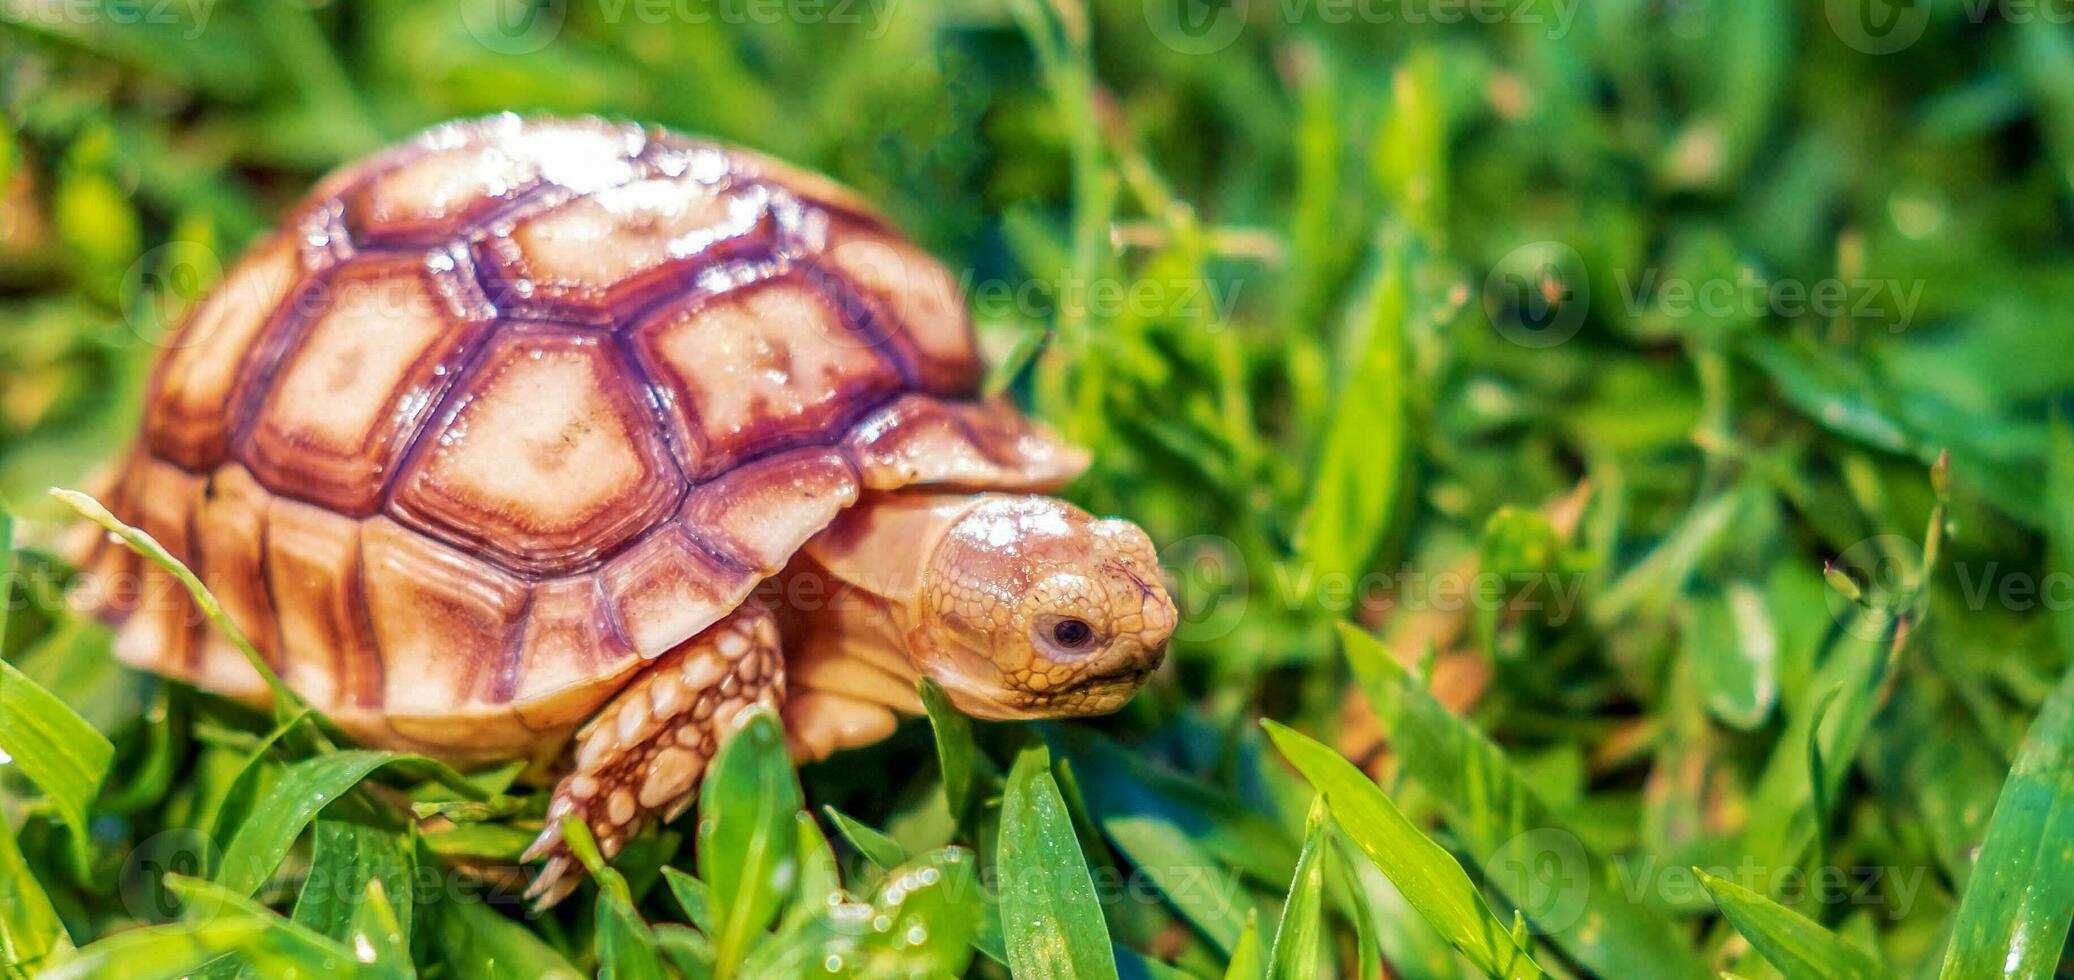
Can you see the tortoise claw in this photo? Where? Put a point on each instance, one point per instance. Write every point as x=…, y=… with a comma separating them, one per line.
x=553, y=884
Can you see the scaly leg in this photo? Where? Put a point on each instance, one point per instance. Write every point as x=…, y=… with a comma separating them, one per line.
x=644, y=753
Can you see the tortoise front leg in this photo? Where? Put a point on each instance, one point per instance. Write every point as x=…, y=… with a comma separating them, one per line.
x=646, y=750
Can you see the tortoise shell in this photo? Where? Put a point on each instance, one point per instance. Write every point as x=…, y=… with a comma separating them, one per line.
x=505, y=411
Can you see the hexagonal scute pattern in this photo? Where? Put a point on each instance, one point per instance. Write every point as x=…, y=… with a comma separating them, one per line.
x=547, y=458
x=509, y=409
x=597, y=258
x=368, y=354
x=764, y=367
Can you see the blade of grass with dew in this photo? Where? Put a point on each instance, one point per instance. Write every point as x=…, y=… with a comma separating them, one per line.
x=1359, y=464
x=919, y=922
x=378, y=938
x=1294, y=954
x=1428, y=875
x=819, y=882
x=1051, y=921
x=881, y=850
x=1491, y=807
x=2013, y=919
x=745, y=849
x=50, y=744
x=347, y=857
x=29, y=926
x=303, y=791
x=1795, y=944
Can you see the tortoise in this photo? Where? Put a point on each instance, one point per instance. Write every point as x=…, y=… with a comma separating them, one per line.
x=569, y=440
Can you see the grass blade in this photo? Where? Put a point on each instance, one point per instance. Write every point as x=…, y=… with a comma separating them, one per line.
x=29, y=926
x=282, y=948
x=1428, y=876
x=1355, y=489
x=285, y=699
x=55, y=748
x=346, y=858
x=48, y=741
x=302, y=792
x=1051, y=920
x=2013, y=918
x=174, y=950
x=475, y=941
x=1797, y=945
x=693, y=897
x=626, y=947
x=879, y=849
x=1490, y=806
x=745, y=839
x=378, y=938
x=955, y=750
x=1295, y=951
x=1245, y=963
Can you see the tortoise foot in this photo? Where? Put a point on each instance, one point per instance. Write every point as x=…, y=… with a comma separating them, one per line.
x=644, y=754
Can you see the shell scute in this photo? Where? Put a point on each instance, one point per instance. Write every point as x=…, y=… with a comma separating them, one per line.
x=549, y=460
x=370, y=354
x=760, y=512
x=199, y=374
x=461, y=173
x=230, y=547
x=598, y=258
x=327, y=644
x=917, y=293
x=670, y=586
x=445, y=622
x=764, y=367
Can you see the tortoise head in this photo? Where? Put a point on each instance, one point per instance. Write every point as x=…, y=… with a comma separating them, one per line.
x=1030, y=607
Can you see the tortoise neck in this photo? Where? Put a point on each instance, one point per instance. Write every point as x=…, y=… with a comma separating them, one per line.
x=882, y=545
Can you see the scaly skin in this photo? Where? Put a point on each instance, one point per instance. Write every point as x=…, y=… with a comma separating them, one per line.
x=1020, y=606
x=644, y=754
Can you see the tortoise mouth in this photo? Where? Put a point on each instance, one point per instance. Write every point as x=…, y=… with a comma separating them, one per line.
x=1095, y=694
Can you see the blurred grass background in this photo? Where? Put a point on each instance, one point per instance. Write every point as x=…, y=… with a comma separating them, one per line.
x=1650, y=309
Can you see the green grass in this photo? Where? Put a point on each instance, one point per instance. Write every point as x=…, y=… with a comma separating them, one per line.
x=1658, y=316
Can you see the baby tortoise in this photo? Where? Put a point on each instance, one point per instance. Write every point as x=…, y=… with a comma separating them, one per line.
x=534, y=434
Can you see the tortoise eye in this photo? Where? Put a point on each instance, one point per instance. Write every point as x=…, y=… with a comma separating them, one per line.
x=1072, y=634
